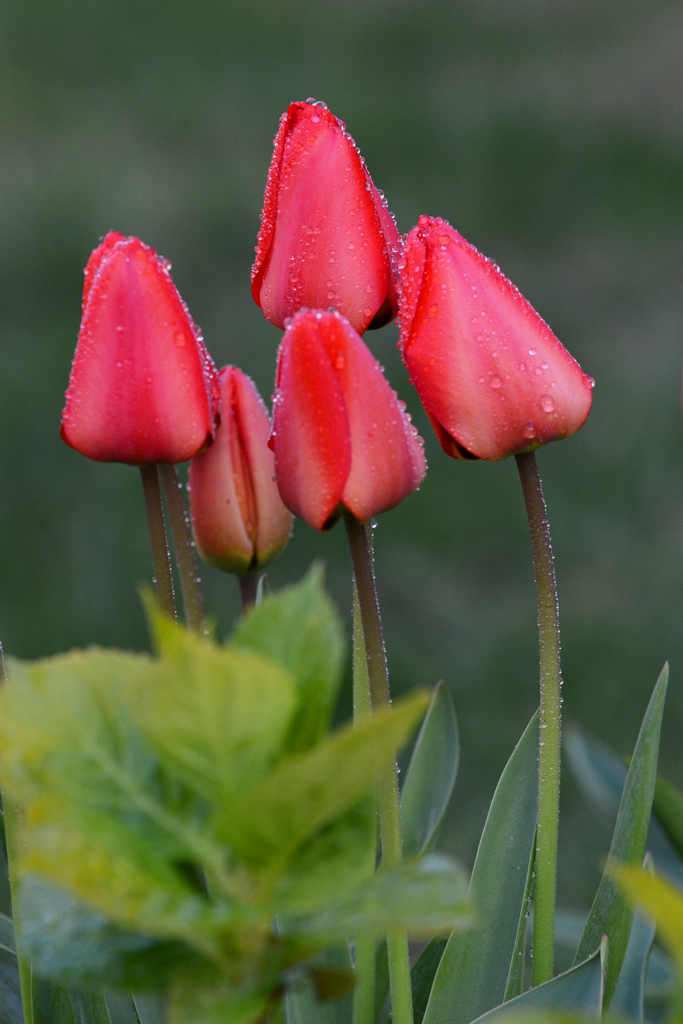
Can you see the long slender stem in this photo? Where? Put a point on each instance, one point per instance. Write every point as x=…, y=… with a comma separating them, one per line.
x=387, y=780
x=551, y=708
x=161, y=560
x=183, y=543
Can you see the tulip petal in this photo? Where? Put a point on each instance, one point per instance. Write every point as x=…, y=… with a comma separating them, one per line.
x=487, y=367
x=142, y=386
x=326, y=237
x=311, y=438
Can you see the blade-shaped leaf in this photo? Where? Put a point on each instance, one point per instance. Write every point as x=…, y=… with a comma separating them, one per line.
x=121, y=1008
x=89, y=1007
x=299, y=629
x=305, y=793
x=474, y=969
x=601, y=775
x=50, y=1001
x=421, y=897
x=579, y=989
x=7, y=938
x=629, y=996
x=611, y=913
x=422, y=975
x=668, y=806
x=431, y=774
x=302, y=1005
x=10, y=992
x=150, y=1008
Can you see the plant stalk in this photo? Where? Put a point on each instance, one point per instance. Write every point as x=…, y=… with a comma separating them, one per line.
x=550, y=720
x=387, y=779
x=183, y=543
x=161, y=559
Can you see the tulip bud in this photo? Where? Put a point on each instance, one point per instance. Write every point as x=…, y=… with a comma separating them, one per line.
x=342, y=440
x=491, y=375
x=327, y=238
x=238, y=518
x=143, y=389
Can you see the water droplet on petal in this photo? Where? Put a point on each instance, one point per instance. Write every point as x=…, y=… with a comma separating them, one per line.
x=529, y=430
x=588, y=381
x=547, y=403
x=496, y=382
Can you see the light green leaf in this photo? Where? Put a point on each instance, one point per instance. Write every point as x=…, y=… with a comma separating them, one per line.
x=194, y=1002
x=422, y=897
x=668, y=806
x=473, y=972
x=579, y=990
x=299, y=629
x=431, y=774
x=307, y=792
x=659, y=900
x=611, y=913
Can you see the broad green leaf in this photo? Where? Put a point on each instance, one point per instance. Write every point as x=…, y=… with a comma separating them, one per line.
x=336, y=861
x=193, y=1002
x=150, y=1009
x=307, y=792
x=89, y=1007
x=431, y=774
x=668, y=806
x=579, y=989
x=218, y=715
x=10, y=993
x=299, y=629
x=67, y=939
x=304, y=1005
x=473, y=972
x=601, y=775
x=51, y=1002
x=611, y=913
x=659, y=900
x=7, y=939
x=422, y=897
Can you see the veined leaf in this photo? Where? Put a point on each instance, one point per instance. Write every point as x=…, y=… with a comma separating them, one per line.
x=421, y=897
x=473, y=972
x=299, y=629
x=303, y=794
x=431, y=774
x=611, y=913
x=579, y=989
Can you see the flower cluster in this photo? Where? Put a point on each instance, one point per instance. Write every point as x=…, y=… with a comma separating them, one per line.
x=330, y=263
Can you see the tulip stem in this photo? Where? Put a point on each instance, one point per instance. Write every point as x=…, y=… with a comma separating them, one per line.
x=161, y=559
x=550, y=720
x=248, y=591
x=387, y=779
x=183, y=543
x=14, y=829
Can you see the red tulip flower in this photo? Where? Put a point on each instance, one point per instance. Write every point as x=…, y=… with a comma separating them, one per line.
x=341, y=438
x=327, y=238
x=492, y=376
x=239, y=521
x=143, y=388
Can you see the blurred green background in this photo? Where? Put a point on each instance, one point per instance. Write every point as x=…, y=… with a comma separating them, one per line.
x=550, y=133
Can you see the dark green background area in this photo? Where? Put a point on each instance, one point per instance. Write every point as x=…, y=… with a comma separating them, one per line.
x=550, y=133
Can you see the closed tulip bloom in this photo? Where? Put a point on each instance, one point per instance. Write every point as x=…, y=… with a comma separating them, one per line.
x=143, y=388
x=238, y=518
x=327, y=238
x=342, y=440
x=492, y=376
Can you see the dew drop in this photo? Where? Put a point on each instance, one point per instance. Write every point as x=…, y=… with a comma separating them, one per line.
x=496, y=382
x=433, y=310
x=547, y=403
x=588, y=381
x=532, y=351
x=529, y=430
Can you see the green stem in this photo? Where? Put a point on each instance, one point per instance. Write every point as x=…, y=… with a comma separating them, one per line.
x=183, y=543
x=248, y=591
x=551, y=707
x=14, y=828
x=387, y=779
x=161, y=560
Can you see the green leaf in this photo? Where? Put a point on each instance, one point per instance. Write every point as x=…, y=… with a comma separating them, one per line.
x=307, y=792
x=121, y=1008
x=421, y=897
x=611, y=913
x=629, y=996
x=304, y=1006
x=10, y=992
x=579, y=989
x=668, y=806
x=601, y=775
x=516, y=975
x=150, y=1009
x=50, y=1001
x=89, y=1007
x=193, y=1002
x=473, y=972
x=299, y=629
x=431, y=774
x=422, y=975
x=7, y=938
